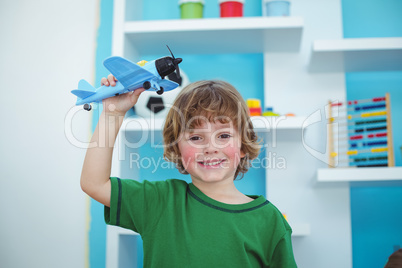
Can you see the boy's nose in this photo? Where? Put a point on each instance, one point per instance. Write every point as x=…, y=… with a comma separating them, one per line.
x=210, y=149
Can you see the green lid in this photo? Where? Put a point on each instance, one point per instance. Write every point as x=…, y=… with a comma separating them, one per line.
x=191, y=1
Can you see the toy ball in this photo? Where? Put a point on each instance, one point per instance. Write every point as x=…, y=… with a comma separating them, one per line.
x=151, y=104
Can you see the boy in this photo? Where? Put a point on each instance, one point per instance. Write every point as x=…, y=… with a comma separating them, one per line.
x=207, y=223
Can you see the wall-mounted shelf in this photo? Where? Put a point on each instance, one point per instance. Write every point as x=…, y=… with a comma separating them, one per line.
x=382, y=175
x=122, y=231
x=300, y=229
x=216, y=35
x=261, y=123
x=357, y=55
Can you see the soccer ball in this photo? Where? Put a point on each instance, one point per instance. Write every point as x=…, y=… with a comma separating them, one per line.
x=151, y=104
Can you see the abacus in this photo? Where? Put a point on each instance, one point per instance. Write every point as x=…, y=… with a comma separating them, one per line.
x=360, y=133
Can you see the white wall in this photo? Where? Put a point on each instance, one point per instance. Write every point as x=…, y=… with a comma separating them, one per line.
x=46, y=47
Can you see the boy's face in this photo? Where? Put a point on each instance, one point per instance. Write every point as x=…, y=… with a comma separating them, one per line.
x=211, y=152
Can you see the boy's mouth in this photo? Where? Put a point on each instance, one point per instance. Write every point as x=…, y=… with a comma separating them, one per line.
x=211, y=163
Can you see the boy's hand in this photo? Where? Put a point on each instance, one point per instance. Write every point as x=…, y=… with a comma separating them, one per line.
x=119, y=105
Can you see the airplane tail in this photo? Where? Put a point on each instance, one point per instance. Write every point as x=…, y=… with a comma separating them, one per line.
x=84, y=90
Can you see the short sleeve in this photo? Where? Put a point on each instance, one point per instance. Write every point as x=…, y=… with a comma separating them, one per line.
x=283, y=254
x=135, y=205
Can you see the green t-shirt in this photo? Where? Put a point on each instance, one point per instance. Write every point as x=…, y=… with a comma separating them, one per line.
x=182, y=227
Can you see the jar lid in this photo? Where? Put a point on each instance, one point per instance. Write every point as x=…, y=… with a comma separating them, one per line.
x=266, y=1
x=191, y=1
x=224, y=1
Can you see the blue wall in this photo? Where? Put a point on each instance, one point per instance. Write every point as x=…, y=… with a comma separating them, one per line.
x=376, y=211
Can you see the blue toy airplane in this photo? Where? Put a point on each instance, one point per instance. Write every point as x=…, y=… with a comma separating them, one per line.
x=130, y=76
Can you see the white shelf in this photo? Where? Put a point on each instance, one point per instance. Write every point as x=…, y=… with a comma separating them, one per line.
x=138, y=124
x=357, y=55
x=216, y=35
x=261, y=123
x=359, y=175
x=123, y=231
x=300, y=229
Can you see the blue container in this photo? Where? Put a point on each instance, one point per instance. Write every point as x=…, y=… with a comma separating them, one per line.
x=276, y=8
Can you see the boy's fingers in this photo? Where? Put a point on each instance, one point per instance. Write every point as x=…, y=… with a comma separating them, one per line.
x=138, y=91
x=104, y=81
x=112, y=80
x=136, y=94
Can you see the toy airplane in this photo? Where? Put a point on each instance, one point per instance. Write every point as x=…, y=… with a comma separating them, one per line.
x=130, y=76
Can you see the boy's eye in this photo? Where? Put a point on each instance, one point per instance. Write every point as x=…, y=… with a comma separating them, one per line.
x=195, y=138
x=224, y=136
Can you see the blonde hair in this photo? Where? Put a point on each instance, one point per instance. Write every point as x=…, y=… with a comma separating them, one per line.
x=217, y=101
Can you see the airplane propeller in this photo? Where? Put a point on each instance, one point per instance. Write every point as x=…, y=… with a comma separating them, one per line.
x=175, y=63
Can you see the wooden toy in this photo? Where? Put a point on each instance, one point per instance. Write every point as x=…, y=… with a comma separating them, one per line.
x=360, y=133
x=269, y=112
x=254, y=106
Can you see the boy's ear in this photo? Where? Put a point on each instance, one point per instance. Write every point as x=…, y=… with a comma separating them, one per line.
x=242, y=154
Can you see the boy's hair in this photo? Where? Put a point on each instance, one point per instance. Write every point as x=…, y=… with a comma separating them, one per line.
x=211, y=100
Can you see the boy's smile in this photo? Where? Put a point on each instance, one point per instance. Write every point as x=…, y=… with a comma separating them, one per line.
x=211, y=163
x=211, y=152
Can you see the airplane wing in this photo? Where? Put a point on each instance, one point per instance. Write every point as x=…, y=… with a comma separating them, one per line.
x=128, y=73
x=167, y=84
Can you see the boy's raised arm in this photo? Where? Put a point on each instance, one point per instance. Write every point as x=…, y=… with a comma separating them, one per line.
x=98, y=160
